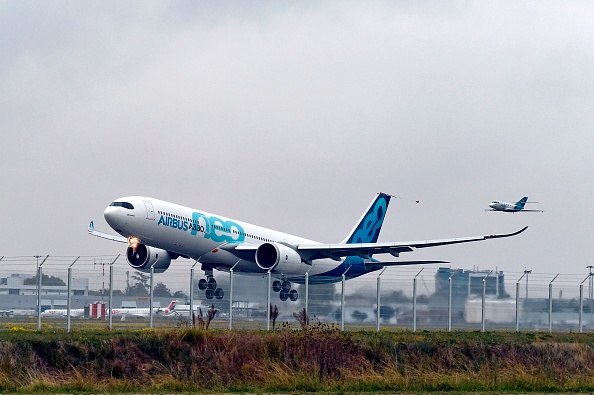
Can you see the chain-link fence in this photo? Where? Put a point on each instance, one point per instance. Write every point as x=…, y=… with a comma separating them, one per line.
x=104, y=292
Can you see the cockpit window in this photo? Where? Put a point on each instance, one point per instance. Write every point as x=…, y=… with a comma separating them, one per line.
x=127, y=205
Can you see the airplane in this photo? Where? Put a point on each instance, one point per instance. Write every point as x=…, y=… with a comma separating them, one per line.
x=59, y=313
x=497, y=205
x=158, y=232
x=177, y=310
x=142, y=312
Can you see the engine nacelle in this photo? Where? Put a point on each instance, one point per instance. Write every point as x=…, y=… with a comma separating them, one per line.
x=144, y=257
x=277, y=257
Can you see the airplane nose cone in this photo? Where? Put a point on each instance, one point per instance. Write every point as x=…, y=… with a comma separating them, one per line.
x=111, y=217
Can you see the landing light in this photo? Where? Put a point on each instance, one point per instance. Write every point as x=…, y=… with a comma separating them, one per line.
x=133, y=242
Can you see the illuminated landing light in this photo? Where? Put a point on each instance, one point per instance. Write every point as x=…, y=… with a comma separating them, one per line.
x=133, y=242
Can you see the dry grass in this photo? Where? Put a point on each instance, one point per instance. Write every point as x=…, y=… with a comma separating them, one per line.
x=318, y=358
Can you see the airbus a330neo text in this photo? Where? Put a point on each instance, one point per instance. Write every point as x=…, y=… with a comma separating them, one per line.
x=157, y=232
x=497, y=205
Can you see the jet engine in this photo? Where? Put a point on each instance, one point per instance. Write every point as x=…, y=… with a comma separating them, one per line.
x=143, y=257
x=277, y=257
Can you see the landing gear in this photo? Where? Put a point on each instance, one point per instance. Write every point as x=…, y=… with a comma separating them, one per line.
x=284, y=289
x=209, y=285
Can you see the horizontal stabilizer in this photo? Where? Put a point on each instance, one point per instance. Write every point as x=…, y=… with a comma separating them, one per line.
x=402, y=263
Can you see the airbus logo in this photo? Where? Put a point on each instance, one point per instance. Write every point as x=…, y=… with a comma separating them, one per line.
x=213, y=228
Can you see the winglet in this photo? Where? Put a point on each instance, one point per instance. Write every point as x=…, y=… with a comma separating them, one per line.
x=506, y=234
x=91, y=226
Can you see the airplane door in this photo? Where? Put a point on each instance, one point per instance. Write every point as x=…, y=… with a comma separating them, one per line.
x=150, y=211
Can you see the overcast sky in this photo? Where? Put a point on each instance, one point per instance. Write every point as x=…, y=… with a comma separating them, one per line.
x=292, y=115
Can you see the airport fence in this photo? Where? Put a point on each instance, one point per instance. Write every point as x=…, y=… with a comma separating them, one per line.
x=69, y=293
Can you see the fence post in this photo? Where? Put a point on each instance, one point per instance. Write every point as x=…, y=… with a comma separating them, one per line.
x=151, y=286
x=342, y=300
x=69, y=297
x=450, y=301
x=582, y=303
x=415, y=301
x=307, y=288
x=268, y=301
x=518, y=301
x=483, y=301
x=378, y=299
x=231, y=295
x=191, y=314
x=39, y=274
x=111, y=292
x=551, y=304
x=110, y=303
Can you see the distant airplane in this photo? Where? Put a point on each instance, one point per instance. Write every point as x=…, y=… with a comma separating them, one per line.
x=134, y=312
x=179, y=310
x=158, y=232
x=59, y=313
x=497, y=205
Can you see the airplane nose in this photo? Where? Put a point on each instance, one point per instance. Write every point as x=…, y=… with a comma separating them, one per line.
x=111, y=216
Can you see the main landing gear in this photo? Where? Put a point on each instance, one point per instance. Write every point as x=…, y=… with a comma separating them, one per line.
x=209, y=285
x=284, y=289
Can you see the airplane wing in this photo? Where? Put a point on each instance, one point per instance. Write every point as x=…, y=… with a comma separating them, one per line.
x=309, y=252
x=534, y=211
x=107, y=236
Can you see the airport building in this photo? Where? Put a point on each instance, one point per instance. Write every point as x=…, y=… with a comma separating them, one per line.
x=469, y=283
x=22, y=284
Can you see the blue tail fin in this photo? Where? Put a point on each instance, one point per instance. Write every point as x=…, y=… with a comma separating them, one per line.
x=520, y=203
x=368, y=228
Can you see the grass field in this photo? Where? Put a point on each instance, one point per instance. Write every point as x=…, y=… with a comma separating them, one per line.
x=318, y=359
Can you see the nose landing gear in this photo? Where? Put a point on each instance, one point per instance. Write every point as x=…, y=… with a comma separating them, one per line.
x=284, y=289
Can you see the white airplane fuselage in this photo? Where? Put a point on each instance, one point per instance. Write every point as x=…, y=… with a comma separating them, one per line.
x=59, y=313
x=503, y=206
x=135, y=312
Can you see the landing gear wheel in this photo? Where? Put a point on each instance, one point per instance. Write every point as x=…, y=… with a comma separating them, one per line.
x=211, y=283
x=284, y=295
x=293, y=295
x=219, y=293
x=210, y=293
x=202, y=284
x=286, y=286
x=276, y=286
